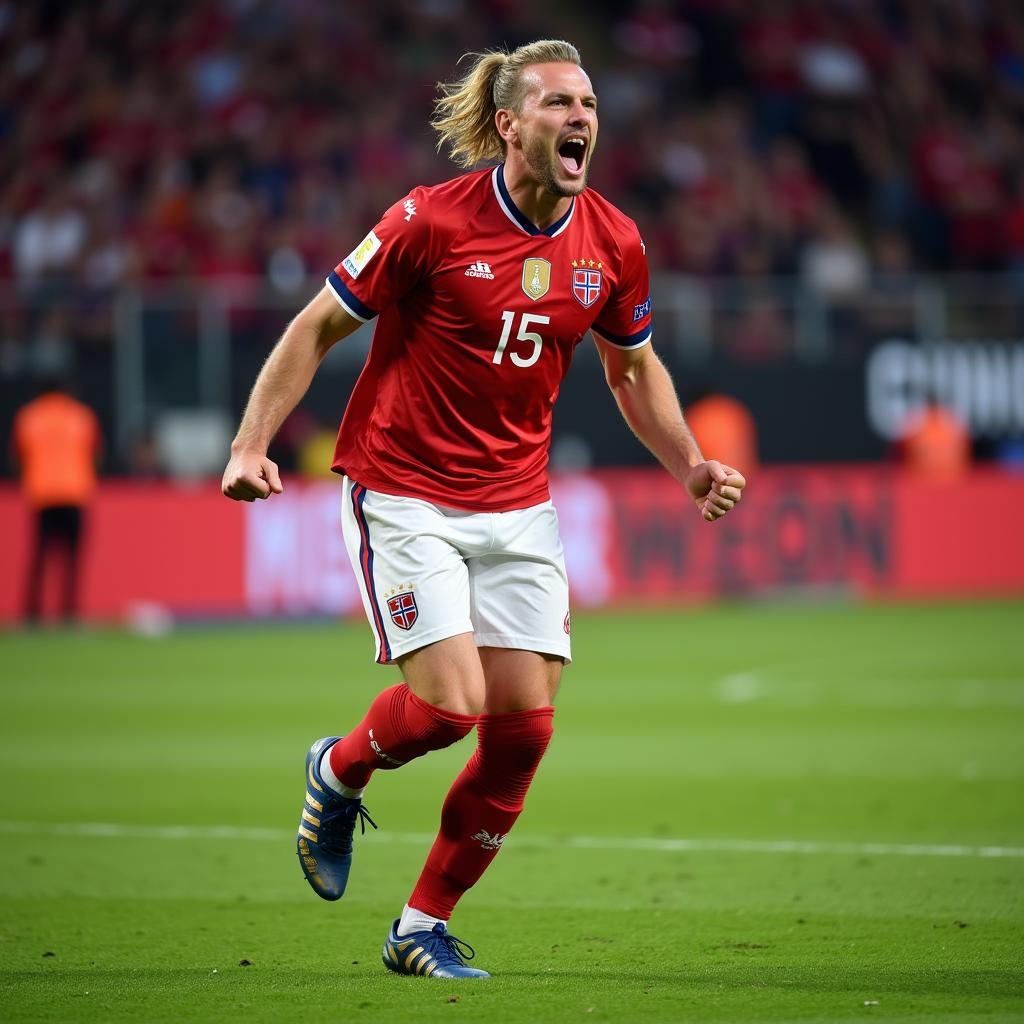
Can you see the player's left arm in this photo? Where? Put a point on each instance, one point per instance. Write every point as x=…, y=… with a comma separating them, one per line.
x=647, y=399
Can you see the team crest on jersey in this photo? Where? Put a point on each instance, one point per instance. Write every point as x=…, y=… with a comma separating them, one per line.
x=587, y=278
x=536, y=278
x=404, y=612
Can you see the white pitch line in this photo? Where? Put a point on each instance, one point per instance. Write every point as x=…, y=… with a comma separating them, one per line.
x=105, y=830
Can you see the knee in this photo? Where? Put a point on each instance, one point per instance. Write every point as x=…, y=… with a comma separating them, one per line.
x=452, y=697
x=463, y=700
x=451, y=726
x=438, y=724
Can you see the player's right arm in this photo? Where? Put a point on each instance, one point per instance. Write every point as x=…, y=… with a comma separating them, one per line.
x=284, y=379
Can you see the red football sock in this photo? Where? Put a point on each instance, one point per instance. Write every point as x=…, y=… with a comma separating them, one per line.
x=482, y=806
x=397, y=728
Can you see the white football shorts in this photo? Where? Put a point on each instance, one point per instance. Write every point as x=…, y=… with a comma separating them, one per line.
x=427, y=572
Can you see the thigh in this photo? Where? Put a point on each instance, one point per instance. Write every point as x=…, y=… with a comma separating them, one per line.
x=413, y=581
x=447, y=674
x=519, y=592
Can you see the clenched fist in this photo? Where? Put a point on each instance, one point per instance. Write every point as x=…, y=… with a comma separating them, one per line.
x=250, y=475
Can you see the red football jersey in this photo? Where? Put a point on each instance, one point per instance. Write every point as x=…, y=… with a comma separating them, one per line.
x=479, y=314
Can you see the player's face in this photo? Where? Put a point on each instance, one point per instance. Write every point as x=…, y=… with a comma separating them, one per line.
x=557, y=126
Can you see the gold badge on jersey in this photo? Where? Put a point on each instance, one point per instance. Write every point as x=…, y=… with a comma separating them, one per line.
x=536, y=278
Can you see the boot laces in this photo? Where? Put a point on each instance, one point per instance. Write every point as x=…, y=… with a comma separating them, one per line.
x=338, y=825
x=452, y=950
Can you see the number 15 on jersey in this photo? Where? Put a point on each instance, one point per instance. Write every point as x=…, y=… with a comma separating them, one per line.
x=523, y=334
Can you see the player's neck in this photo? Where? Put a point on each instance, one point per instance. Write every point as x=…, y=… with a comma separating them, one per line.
x=532, y=199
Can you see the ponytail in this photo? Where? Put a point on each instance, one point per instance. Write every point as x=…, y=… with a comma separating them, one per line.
x=464, y=114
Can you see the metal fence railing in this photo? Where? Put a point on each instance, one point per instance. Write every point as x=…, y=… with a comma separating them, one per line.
x=142, y=351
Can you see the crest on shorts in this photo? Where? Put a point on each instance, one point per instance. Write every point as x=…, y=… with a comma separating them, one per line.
x=403, y=609
x=587, y=278
x=536, y=278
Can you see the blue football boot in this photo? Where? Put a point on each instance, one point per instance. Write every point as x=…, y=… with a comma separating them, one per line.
x=431, y=954
x=326, y=828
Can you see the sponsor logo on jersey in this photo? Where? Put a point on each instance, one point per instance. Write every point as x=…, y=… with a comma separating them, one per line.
x=357, y=259
x=536, y=278
x=489, y=842
x=639, y=312
x=480, y=269
x=403, y=610
x=410, y=209
x=567, y=625
x=587, y=278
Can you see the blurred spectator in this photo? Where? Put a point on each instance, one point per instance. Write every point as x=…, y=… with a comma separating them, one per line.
x=762, y=332
x=889, y=306
x=834, y=263
x=105, y=263
x=196, y=137
x=830, y=65
x=795, y=194
x=725, y=430
x=772, y=37
x=49, y=238
x=56, y=444
x=852, y=143
x=654, y=32
x=936, y=445
x=977, y=208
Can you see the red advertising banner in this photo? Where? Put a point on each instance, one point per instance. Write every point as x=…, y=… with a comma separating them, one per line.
x=869, y=531
x=145, y=546
x=630, y=537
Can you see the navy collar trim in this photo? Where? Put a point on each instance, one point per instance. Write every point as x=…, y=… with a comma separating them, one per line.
x=519, y=218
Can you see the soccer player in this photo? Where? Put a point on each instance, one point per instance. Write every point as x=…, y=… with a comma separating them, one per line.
x=482, y=287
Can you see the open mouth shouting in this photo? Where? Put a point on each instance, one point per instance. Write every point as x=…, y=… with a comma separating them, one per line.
x=572, y=154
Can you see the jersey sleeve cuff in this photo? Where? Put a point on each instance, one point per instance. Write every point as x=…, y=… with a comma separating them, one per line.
x=347, y=300
x=637, y=340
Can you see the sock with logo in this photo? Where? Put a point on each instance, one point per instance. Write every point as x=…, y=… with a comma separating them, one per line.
x=397, y=728
x=482, y=806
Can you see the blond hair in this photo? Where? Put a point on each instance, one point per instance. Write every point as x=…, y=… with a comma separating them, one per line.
x=464, y=112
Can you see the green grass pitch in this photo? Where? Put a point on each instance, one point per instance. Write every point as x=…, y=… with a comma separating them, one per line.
x=750, y=813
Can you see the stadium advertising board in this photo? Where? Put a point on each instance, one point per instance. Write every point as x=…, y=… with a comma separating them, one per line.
x=630, y=538
x=983, y=382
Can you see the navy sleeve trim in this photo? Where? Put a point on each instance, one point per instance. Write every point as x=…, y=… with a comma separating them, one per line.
x=627, y=340
x=351, y=304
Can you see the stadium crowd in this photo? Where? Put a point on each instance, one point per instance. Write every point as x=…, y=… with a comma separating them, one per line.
x=251, y=139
